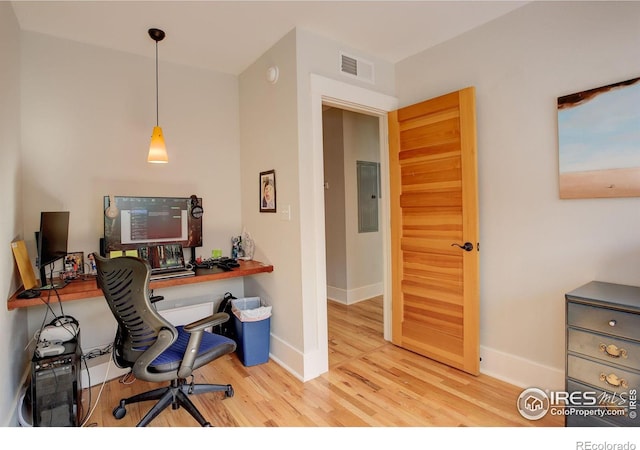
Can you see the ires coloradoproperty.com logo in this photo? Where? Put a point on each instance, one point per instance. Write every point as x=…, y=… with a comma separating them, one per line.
x=534, y=403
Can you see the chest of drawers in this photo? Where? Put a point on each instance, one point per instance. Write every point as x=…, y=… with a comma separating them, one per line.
x=603, y=354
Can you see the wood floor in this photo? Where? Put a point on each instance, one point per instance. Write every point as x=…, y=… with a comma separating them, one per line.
x=371, y=383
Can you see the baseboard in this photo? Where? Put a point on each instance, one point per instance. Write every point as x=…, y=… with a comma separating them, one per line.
x=291, y=359
x=101, y=369
x=337, y=294
x=16, y=404
x=519, y=371
x=351, y=296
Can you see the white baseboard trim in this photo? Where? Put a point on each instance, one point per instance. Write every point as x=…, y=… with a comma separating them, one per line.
x=101, y=368
x=303, y=367
x=290, y=358
x=351, y=296
x=519, y=371
x=337, y=294
x=13, y=419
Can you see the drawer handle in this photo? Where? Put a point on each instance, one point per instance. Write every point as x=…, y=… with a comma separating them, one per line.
x=613, y=380
x=613, y=322
x=613, y=351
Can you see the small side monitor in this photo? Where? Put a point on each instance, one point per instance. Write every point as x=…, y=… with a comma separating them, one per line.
x=52, y=240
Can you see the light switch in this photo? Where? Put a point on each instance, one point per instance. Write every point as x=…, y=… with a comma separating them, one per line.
x=285, y=213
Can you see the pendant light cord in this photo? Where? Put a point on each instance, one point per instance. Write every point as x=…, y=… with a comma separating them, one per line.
x=157, y=107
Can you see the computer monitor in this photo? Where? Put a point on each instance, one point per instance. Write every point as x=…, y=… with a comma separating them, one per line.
x=52, y=240
x=132, y=222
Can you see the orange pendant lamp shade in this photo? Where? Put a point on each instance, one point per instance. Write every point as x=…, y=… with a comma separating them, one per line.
x=157, y=149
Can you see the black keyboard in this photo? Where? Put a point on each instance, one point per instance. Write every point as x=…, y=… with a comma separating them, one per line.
x=29, y=293
x=223, y=263
x=169, y=275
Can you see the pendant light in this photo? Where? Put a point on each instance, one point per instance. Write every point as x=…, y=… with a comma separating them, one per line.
x=157, y=148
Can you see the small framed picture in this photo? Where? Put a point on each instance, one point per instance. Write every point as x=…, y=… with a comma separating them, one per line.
x=91, y=266
x=268, y=191
x=73, y=265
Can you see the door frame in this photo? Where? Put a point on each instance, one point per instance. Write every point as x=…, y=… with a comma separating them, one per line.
x=357, y=99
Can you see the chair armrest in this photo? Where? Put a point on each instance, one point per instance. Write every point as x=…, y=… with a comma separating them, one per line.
x=195, y=330
x=199, y=325
x=165, y=338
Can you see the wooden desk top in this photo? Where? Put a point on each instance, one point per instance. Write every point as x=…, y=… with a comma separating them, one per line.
x=83, y=289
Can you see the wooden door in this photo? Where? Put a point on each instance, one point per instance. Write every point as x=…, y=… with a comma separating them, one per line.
x=434, y=229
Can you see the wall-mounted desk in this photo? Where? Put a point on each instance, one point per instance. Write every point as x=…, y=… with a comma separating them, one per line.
x=83, y=289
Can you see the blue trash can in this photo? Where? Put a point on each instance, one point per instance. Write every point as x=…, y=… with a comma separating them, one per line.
x=253, y=327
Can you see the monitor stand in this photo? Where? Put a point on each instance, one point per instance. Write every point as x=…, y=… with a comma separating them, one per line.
x=58, y=284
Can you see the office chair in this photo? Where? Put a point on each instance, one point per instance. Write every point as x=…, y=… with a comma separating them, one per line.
x=153, y=348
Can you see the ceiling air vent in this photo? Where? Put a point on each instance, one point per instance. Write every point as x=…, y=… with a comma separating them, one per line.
x=356, y=68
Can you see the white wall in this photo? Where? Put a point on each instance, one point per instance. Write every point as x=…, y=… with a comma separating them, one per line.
x=364, y=250
x=12, y=323
x=269, y=140
x=87, y=115
x=277, y=133
x=319, y=58
x=354, y=260
x=334, y=202
x=534, y=246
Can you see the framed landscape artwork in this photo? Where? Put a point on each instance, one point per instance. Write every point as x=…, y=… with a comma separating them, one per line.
x=599, y=142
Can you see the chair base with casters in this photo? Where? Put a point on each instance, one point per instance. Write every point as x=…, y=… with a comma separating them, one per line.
x=175, y=395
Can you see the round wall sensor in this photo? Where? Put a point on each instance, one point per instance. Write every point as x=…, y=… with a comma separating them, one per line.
x=272, y=74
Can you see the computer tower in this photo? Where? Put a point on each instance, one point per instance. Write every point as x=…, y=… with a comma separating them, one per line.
x=56, y=391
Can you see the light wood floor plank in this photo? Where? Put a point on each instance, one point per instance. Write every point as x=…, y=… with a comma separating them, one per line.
x=371, y=383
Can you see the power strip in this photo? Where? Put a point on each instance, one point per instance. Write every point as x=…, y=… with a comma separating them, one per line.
x=45, y=349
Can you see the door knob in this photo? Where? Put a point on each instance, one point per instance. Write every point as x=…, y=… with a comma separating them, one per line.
x=467, y=247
